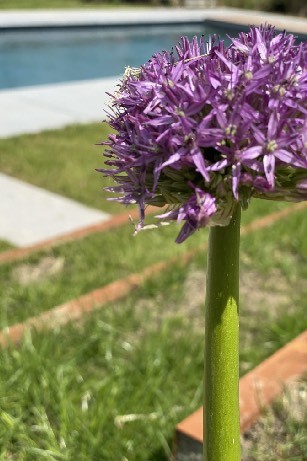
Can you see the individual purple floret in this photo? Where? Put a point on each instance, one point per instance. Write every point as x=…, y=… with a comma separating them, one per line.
x=207, y=126
x=196, y=213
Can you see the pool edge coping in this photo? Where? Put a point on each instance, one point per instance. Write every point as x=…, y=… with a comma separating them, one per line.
x=23, y=19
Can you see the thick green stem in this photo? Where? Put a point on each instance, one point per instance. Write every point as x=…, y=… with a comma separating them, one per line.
x=221, y=380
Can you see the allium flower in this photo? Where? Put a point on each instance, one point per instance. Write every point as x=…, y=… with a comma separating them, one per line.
x=209, y=126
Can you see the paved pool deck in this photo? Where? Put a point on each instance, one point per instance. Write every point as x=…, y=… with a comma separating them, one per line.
x=118, y=17
x=31, y=215
x=36, y=108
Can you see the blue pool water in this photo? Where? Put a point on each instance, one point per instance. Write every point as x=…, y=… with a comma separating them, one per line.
x=51, y=56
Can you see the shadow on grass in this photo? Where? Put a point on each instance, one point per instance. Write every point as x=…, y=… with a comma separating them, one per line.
x=158, y=455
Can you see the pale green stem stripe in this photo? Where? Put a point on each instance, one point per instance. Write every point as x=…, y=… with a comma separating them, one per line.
x=221, y=380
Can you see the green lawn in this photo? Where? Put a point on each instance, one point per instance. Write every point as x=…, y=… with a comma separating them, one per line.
x=64, y=161
x=4, y=245
x=91, y=263
x=61, y=161
x=65, y=394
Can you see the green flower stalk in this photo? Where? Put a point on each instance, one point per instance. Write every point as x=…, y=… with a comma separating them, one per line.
x=221, y=379
x=202, y=133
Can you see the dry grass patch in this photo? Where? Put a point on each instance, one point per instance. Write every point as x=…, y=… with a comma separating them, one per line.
x=46, y=267
x=262, y=298
x=281, y=433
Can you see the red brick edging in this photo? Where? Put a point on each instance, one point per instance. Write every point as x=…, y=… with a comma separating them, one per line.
x=115, y=221
x=114, y=291
x=258, y=387
x=76, y=308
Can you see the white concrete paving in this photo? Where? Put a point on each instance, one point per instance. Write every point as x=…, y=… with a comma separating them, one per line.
x=99, y=17
x=36, y=108
x=30, y=214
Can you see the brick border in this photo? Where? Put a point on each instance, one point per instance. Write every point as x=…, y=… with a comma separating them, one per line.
x=258, y=388
x=114, y=222
x=119, y=220
x=76, y=308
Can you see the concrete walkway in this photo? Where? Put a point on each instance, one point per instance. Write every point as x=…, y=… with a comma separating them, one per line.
x=30, y=214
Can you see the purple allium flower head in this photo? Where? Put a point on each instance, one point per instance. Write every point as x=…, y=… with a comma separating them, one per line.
x=207, y=126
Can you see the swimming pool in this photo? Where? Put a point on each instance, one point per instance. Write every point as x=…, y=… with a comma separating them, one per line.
x=52, y=56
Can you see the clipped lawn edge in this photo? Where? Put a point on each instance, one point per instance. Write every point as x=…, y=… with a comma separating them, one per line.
x=114, y=222
x=258, y=388
x=119, y=220
x=76, y=308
